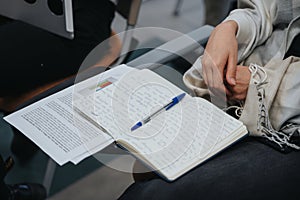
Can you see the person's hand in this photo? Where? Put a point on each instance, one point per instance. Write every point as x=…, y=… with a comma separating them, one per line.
x=239, y=90
x=220, y=56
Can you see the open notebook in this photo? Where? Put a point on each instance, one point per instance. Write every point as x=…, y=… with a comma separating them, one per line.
x=173, y=142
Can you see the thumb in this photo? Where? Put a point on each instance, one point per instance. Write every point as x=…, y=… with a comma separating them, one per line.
x=231, y=70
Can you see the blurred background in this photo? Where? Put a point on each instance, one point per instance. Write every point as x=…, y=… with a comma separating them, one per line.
x=90, y=179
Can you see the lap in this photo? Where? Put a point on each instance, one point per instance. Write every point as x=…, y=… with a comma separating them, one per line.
x=247, y=170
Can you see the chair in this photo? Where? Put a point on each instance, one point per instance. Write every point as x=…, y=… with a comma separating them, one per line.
x=180, y=46
x=57, y=15
x=177, y=47
x=129, y=9
x=125, y=42
x=178, y=5
x=131, y=14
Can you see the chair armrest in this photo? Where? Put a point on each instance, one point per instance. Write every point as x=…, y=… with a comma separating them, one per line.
x=129, y=9
x=175, y=48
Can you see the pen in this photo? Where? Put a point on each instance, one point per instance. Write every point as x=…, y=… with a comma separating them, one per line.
x=166, y=107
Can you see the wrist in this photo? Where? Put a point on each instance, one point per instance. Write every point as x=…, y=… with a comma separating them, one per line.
x=231, y=25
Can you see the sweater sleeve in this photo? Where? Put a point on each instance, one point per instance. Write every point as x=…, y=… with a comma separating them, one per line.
x=255, y=19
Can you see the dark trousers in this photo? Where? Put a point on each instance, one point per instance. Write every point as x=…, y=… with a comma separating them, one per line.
x=247, y=170
x=30, y=56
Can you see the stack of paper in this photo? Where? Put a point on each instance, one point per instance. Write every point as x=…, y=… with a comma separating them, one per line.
x=57, y=129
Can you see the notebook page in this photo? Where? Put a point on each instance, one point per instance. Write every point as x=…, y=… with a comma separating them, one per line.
x=191, y=129
x=119, y=106
x=202, y=128
x=215, y=131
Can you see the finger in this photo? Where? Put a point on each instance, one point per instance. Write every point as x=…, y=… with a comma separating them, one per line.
x=228, y=92
x=238, y=97
x=231, y=68
x=218, y=98
x=210, y=77
x=207, y=66
x=204, y=74
x=218, y=89
x=219, y=81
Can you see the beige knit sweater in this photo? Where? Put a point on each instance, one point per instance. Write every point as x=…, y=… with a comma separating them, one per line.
x=266, y=30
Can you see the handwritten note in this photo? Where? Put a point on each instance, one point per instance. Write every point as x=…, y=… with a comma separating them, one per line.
x=175, y=140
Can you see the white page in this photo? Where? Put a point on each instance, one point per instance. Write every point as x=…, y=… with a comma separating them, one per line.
x=60, y=132
x=118, y=107
x=112, y=109
x=49, y=123
x=173, y=141
x=214, y=131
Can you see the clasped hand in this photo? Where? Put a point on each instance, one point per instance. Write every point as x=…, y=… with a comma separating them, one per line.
x=220, y=71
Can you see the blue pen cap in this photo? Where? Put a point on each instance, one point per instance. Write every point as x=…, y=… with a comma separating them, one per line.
x=136, y=126
x=175, y=100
